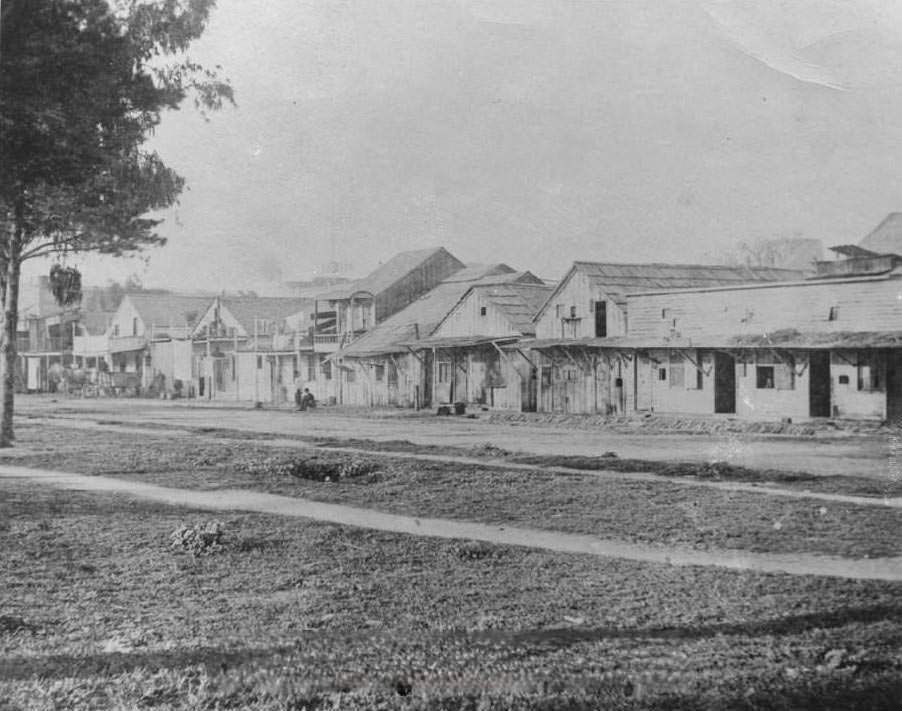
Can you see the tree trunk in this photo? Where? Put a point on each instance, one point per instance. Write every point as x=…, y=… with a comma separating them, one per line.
x=10, y=327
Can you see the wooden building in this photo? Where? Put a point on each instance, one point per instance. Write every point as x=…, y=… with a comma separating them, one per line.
x=389, y=365
x=344, y=314
x=582, y=357
x=827, y=346
x=255, y=349
x=474, y=352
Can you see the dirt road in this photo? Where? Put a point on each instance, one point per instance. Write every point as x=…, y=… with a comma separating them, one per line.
x=241, y=500
x=859, y=456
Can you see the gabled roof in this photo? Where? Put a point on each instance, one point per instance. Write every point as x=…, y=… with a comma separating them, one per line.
x=246, y=309
x=388, y=274
x=169, y=309
x=518, y=302
x=618, y=280
x=885, y=238
x=422, y=317
x=95, y=323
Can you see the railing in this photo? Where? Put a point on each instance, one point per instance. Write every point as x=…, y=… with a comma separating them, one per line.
x=46, y=344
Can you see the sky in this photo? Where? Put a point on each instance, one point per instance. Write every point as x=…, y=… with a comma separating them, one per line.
x=530, y=132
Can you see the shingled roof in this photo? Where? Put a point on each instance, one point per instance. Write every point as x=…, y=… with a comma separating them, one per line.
x=422, y=317
x=517, y=301
x=169, y=309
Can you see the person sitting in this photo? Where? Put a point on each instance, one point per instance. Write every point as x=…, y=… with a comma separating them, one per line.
x=307, y=400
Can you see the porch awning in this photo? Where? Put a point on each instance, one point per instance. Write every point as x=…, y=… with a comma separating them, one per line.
x=460, y=342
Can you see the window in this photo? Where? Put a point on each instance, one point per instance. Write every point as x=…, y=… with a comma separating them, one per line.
x=380, y=372
x=558, y=310
x=311, y=368
x=664, y=314
x=764, y=377
x=868, y=372
x=350, y=375
x=834, y=314
x=444, y=372
x=572, y=312
x=326, y=366
x=259, y=362
x=392, y=373
x=482, y=310
x=568, y=372
x=234, y=367
x=135, y=326
x=601, y=319
x=774, y=373
x=116, y=329
x=662, y=373
x=677, y=370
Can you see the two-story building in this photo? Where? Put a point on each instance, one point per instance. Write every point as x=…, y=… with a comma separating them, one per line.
x=390, y=363
x=253, y=348
x=343, y=315
x=149, y=340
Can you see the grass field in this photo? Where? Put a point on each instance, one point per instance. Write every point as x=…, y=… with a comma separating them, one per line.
x=98, y=608
x=659, y=511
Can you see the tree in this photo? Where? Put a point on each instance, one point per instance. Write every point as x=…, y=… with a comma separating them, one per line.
x=83, y=83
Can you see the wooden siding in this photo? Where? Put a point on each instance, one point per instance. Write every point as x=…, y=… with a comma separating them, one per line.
x=578, y=292
x=861, y=305
x=591, y=382
x=423, y=278
x=466, y=319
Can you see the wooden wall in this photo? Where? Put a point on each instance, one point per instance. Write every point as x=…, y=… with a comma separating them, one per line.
x=580, y=292
x=863, y=305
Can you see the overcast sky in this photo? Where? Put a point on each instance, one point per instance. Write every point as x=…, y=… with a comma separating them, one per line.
x=529, y=132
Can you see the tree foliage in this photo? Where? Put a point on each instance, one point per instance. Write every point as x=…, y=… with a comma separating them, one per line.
x=83, y=84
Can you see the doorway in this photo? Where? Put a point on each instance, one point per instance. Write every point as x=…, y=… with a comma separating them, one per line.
x=819, y=383
x=894, y=386
x=724, y=383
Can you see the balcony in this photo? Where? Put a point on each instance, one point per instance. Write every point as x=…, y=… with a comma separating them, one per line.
x=123, y=344
x=45, y=344
x=326, y=342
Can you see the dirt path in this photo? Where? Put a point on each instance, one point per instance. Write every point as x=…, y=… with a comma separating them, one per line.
x=856, y=456
x=891, y=502
x=234, y=500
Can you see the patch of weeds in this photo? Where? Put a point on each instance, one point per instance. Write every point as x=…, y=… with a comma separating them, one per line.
x=198, y=539
x=487, y=449
x=310, y=468
x=10, y=624
x=477, y=550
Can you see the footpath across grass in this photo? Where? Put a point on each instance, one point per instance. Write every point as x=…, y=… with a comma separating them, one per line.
x=656, y=511
x=102, y=607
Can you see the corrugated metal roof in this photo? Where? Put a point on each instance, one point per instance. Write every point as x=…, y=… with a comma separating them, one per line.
x=169, y=309
x=420, y=319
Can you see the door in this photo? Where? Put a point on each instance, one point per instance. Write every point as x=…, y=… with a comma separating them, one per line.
x=819, y=383
x=894, y=386
x=724, y=383
x=643, y=372
x=530, y=391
